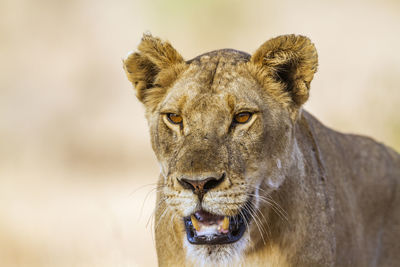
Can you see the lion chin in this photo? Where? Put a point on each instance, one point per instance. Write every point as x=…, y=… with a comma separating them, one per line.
x=248, y=177
x=216, y=255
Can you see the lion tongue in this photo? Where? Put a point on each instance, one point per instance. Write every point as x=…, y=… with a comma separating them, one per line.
x=207, y=218
x=206, y=223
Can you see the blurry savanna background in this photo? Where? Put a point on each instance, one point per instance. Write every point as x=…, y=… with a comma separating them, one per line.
x=77, y=173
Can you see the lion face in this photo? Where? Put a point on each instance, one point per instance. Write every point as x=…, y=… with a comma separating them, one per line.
x=221, y=127
x=224, y=144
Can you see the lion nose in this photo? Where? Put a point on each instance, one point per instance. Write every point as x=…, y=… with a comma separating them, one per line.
x=200, y=187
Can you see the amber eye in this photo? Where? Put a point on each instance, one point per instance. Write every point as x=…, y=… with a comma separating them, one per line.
x=242, y=117
x=174, y=118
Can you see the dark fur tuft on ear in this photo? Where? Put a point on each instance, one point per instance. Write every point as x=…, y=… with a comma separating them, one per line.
x=141, y=72
x=153, y=68
x=292, y=60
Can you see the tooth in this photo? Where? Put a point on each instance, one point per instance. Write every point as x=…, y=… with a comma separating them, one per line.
x=195, y=223
x=225, y=223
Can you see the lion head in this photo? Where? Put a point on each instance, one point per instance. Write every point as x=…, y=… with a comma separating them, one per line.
x=222, y=128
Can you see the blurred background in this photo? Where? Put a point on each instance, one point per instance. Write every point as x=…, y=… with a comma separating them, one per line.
x=77, y=173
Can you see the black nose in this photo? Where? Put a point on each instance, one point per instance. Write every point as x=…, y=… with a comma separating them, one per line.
x=200, y=187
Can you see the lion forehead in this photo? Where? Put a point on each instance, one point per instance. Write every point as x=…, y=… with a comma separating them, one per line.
x=217, y=81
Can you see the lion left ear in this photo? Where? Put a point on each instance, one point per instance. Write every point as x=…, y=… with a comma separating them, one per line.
x=292, y=60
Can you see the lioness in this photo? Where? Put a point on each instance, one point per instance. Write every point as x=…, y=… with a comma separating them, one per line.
x=250, y=178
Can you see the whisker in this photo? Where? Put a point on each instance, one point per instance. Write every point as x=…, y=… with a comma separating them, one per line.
x=141, y=187
x=158, y=203
x=274, y=205
x=257, y=220
x=279, y=210
x=165, y=211
x=145, y=199
x=244, y=218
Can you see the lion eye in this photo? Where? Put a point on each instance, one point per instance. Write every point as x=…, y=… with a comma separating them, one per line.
x=242, y=117
x=174, y=118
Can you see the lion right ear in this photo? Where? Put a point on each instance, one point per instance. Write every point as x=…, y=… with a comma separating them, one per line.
x=153, y=68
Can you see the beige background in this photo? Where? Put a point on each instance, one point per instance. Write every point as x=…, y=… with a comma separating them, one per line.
x=77, y=172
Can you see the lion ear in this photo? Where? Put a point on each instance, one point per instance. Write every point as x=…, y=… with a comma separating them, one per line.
x=290, y=59
x=153, y=68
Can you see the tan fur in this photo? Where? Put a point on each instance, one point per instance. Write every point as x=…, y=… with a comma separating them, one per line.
x=320, y=198
x=153, y=69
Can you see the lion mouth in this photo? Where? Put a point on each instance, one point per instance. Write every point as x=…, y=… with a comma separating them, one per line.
x=204, y=228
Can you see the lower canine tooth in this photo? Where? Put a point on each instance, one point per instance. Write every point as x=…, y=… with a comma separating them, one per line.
x=225, y=223
x=195, y=223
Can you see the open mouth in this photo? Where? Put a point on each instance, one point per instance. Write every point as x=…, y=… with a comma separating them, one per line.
x=203, y=227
